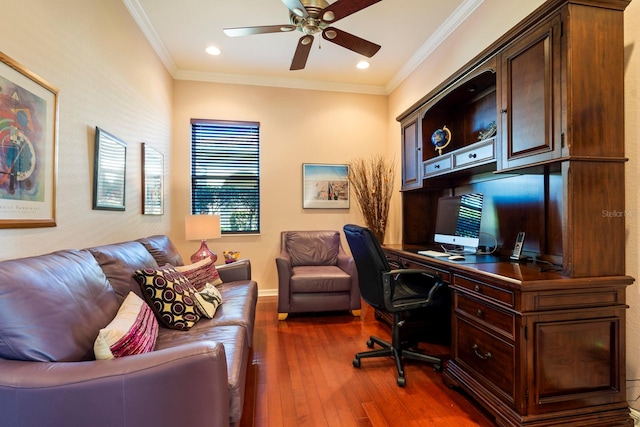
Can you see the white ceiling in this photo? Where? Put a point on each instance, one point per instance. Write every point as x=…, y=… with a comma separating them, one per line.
x=407, y=30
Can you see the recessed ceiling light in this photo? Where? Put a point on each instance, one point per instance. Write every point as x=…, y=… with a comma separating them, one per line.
x=363, y=65
x=212, y=50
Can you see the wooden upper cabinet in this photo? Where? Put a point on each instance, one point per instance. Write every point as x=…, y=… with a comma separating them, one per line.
x=530, y=101
x=411, y=153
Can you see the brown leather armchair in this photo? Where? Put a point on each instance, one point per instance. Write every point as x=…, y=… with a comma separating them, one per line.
x=315, y=274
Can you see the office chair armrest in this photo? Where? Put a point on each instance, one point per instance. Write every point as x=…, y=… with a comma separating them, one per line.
x=435, y=281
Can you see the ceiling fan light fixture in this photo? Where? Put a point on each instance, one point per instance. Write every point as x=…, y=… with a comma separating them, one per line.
x=306, y=40
x=299, y=12
x=287, y=28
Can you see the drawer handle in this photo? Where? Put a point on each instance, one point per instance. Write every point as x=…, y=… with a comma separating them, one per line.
x=481, y=356
x=477, y=288
x=436, y=166
x=472, y=155
x=479, y=313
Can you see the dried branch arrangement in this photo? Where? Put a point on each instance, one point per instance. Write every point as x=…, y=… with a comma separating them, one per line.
x=372, y=184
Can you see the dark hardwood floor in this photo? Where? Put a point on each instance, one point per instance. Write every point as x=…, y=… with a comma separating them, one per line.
x=302, y=375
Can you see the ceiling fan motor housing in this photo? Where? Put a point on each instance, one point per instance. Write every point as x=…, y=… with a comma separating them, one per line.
x=313, y=23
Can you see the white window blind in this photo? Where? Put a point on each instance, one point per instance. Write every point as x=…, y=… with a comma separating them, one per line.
x=225, y=173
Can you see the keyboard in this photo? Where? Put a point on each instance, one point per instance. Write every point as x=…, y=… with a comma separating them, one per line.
x=435, y=254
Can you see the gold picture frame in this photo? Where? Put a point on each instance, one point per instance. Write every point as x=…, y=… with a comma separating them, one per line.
x=28, y=147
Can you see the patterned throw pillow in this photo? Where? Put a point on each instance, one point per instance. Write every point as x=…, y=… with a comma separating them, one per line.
x=133, y=331
x=208, y=300
x=201, y=273
x=170, y=296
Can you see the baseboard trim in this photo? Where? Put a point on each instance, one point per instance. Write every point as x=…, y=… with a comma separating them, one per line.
x=635, y=414
x=267, y=293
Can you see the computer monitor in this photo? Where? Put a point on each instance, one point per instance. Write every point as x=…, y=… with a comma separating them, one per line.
x=458, y=221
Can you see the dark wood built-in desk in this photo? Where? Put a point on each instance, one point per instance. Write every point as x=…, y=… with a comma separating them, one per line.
x=535, y=348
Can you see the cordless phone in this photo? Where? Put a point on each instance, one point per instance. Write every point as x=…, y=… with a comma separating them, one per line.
x=517, y=249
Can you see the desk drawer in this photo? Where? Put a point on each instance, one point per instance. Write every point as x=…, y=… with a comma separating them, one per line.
x=443, y=274
x=436, y=166
x=491, y=359
x=480, y=289
x=480, y=152
x=497, y=320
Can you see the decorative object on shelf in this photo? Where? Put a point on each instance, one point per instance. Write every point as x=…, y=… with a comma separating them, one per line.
x=28, y=131
x=202, y=227
x=109, y=172
x=152, y=181
x=488, y=132
x=325, y=186
x=441, y=138
x=372, y=183
x=231, y=256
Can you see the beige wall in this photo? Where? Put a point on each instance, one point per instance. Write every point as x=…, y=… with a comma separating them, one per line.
x=296, y=127
x=108, y=76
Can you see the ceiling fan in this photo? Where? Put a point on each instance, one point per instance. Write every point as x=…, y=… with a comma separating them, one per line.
x=312, y=17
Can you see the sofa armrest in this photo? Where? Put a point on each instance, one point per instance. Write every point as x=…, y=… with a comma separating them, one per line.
x=235, y=271
x=184, y=385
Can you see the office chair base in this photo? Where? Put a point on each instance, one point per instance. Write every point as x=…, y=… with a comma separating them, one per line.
x=398, y=355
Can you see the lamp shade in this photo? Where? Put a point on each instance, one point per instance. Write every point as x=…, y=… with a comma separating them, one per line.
x=200, y=227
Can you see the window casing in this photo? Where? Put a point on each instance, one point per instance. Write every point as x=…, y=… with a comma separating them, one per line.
x=225, y=173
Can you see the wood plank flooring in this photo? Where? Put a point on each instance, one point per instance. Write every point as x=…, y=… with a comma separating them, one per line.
x=302, y=375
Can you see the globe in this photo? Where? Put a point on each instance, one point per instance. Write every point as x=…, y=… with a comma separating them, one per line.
x=441, y=138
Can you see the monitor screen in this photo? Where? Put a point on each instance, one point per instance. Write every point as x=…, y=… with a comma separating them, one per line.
x=458, y=221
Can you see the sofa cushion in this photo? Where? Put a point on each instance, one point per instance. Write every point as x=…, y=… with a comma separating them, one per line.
x=170, y=296
x=119, y=261
x=133, y=331
x=201, y=273
x=162, y=250
x=208, y=300
x=313, y=247
x=52, y=306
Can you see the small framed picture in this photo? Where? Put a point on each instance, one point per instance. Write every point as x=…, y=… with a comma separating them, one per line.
x=110, y=172
x=325, y=186
x=152, y=181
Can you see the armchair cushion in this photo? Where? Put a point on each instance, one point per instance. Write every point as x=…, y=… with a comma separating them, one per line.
x=313, y=248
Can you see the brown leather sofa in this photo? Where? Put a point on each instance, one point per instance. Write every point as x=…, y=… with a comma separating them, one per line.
x=51, y=309
x=315, y=274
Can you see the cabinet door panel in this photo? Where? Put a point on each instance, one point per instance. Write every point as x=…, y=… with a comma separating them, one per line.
x=411, y=158
x=530, y=83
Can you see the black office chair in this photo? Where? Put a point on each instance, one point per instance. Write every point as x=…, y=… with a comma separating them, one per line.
x=401, y=292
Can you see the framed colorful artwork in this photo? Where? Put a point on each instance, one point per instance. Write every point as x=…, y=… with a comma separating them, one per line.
x=152, y=181
x=28, y=147
x=325, y=186
x=109, y=172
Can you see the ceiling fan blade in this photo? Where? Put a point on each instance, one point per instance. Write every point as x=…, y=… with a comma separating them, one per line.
x=302, y=53
x=248, y=31
x=343, y=8
x=296, y=7
x=351, y=42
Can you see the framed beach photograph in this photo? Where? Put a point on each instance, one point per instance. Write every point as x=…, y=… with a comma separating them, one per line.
x=325, y=186
x=152, y=181
x=109, y=172
x=28, y=147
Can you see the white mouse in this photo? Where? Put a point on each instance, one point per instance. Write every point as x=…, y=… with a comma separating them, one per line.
x=456, y=258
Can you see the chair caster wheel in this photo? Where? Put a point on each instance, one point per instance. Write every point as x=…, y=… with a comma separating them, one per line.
x=356, y=362
x=401, y=381
x=370, y=344
x=437, y=368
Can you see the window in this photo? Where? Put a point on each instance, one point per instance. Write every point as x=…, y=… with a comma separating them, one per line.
x=225, y=173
